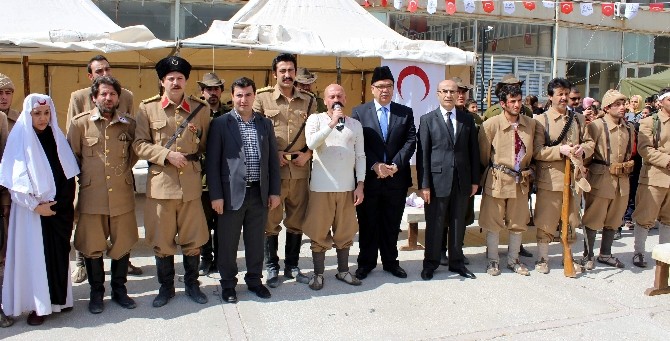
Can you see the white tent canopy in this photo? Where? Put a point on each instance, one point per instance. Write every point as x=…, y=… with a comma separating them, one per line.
x=37, y=26
x=322, y=28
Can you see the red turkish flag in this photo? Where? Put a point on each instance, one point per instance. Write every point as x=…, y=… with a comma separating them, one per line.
x=494, y=45
x=566, y=7
x=450, y=6
x=656, y=7
x=412, y=5
x=366, y=4
x=530, y=5
x=608, y=9
x=384, y=3
x=488, y=6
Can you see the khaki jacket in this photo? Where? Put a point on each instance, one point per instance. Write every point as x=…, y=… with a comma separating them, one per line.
x=655, y=160
x=603, y=184
x=496, y=145
x=157, y=120
x=550, y=163
x=106, y=158
x=12, y=116
x=287, y=117
x=80, y=101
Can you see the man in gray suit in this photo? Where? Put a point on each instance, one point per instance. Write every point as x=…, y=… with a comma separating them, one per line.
x=244, y=182
x=448, y=173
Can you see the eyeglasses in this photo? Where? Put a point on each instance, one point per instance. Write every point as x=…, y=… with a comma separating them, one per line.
x=575, y=98
x=444, y=92
x=383, y=87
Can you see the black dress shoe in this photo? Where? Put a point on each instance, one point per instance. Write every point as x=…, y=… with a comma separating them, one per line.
x=34, y=319
x=362, y=273
x=427, y=274
x=396, y=271
x=229, y=295
x=261, y=291
x=524, y=253
x=463, y=271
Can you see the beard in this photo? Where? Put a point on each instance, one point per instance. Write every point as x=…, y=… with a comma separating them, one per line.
x=105, y=110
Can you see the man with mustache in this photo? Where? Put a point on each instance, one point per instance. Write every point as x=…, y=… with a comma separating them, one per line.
x=6, y=96
x=288, y=108
x=171, y=135
x=211, y=88
x=81, y=101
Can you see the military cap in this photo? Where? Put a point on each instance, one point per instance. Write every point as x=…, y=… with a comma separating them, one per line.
x=211, y=79
x=612, y=96
x=303, y=76
x=380, y=73
x=173, y=63
x=6, y=82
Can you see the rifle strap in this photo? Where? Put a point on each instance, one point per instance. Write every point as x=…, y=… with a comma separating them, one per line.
x=302, y=127
x=182, y=126
x=564, y=132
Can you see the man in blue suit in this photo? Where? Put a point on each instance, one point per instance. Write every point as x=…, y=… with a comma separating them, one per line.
x=390, y=140
x=244, y=184
x=448, y=174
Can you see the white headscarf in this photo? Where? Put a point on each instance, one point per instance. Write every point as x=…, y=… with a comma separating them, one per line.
x=25, y=167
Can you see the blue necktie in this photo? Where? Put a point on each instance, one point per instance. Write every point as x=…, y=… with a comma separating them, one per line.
x=383, y=122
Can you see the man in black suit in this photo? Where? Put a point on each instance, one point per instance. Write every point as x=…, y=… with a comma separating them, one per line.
x=390, y=140
x=244, y=184
x=448, y=174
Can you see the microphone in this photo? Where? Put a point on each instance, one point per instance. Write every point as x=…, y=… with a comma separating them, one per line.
x=340, y=121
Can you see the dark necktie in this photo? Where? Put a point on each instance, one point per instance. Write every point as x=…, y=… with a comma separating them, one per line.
x=450, y=126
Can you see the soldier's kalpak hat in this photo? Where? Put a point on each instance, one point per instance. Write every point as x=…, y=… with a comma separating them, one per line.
x=6, y=82
x=380, y=73
x=461, y=84
x=173, y=63
x=612, y=96
x=303, y=76
x=507, y=79
x=211, y=79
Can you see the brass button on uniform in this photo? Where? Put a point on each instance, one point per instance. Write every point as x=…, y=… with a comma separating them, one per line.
x=181, y=172
x=108, y=177
x=110, y=189
x=106, y=137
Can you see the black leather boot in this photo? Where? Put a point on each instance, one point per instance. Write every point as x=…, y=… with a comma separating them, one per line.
x=165, y=274
x=191, y=282
x=272, y=261
x=96, y=279
x=292, y=250
x=119, y=279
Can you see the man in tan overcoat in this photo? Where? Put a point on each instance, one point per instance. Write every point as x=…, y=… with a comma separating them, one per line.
x=652, y=200
x=506, y=148
x=609, y=169
x=101, y=139
x=171, y=134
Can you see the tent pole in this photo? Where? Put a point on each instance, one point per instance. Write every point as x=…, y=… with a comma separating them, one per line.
x=362, y=86
x=338, y=65
x=26, y=76
x=46, y=80
x=554, y=71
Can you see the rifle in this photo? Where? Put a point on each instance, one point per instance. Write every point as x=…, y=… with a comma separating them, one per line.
x=488, y=93
x=568, y=265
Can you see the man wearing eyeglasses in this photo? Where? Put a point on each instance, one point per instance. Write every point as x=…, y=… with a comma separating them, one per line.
x=389, y=142
x=448, y=174
x=575, y=100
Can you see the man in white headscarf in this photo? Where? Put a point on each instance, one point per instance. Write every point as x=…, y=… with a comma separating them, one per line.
x=40, y=226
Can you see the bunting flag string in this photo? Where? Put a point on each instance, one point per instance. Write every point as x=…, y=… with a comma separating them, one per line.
x=626, y=10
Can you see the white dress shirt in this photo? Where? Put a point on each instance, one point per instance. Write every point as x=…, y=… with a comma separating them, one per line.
x=446, y=115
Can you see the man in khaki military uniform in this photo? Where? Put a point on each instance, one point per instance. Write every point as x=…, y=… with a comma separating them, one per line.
x=6, y=94
x=652, y=200
x=81, y=101
x=288, y=108
x=101, y=139
x=561, y=134
x=506, y=148
x=608, y=174
x=304, y=80
x=494, y=110
x=173, y=215
x=211, y=88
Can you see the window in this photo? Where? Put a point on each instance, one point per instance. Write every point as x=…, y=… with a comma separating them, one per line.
x=156, y=16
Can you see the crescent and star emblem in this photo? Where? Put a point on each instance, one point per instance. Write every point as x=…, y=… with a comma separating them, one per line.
x=417, y=71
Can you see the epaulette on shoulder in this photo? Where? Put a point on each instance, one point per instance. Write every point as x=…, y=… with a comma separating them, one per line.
x=198, y=99
x=128, y=116
x=82, y=114
x=307, y=93
x=265, y=89
x=152, y=99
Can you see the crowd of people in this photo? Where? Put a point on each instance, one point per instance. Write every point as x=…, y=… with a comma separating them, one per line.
x=280, y=157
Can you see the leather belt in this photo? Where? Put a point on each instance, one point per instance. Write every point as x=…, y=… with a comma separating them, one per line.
x=192, y=157
x=251, y=184
x=599, y=162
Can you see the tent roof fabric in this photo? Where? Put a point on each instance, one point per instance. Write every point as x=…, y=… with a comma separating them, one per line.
x=335, y=27
x=68, y=25
x=645, y=86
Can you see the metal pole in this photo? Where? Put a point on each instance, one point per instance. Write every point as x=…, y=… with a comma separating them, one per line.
x=338, y=65
x=554, y=71
x=177, y=27
x=481, y=79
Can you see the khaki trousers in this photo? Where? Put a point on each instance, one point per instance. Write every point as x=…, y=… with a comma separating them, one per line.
x=511, y=214
x=294, y=198
x=93, y=230
x=652, y=203
x=548, y=215
x=326, y=210
x=605, y=213
x=172, y=222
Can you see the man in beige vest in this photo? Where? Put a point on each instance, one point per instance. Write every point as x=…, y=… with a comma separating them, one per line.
x=288, y=108
x=506, y=147
x=608, y=174
x=81, y=101
x=561, y=135
x=6, y=94
x=171, y=134
x=101, y=139
x=652, y=201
